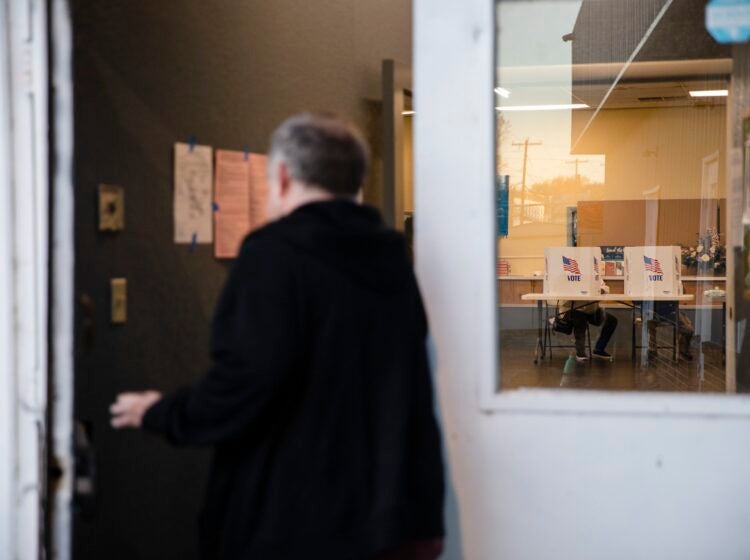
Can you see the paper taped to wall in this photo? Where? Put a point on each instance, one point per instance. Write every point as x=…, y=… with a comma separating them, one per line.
x=193, y=171
x=240, y=196
x=258, y=190
x=232, y=196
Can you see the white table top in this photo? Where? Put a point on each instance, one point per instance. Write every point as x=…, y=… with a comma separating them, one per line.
x=605, y=297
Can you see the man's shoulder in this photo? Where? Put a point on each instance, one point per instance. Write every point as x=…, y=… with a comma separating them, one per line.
x=266, y=250
x=267, y=239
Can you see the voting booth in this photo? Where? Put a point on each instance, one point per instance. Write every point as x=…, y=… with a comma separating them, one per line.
x=653, y=271
x=572, y=271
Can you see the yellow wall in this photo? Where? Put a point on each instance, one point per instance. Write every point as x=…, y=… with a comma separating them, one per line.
x=657, y=150
x=646, y=148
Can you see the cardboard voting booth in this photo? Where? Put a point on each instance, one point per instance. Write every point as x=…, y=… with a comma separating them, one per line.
x=653, y=271
x=572, y=271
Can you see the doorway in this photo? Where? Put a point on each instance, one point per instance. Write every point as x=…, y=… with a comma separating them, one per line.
x=196, y=77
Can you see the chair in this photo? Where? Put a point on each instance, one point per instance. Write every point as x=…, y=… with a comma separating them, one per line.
x=548, y=331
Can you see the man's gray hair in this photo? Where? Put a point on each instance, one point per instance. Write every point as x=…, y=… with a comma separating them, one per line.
x=322, y=150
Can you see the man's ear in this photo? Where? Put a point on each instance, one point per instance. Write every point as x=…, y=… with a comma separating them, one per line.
x=285, y=178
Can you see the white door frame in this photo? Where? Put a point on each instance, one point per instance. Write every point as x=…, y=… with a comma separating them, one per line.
x=7, y=335
x=62, y=291
x=23, y=275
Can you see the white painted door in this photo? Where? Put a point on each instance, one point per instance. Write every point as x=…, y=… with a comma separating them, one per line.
x=550, y=473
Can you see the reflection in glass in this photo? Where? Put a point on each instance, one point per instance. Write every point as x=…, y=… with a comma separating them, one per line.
x=611, y=135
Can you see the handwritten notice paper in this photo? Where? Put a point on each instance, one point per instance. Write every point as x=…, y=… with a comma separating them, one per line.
x=240, y=194
x=193, y=170
x=258, y=191
x=232, y=197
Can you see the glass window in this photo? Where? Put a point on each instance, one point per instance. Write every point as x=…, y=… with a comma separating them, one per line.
x=613, y=252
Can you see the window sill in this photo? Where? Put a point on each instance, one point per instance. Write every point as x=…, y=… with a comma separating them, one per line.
x=609, y=403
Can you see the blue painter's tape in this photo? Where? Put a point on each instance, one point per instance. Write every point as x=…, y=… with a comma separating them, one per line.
x=246, y=151
x=215, y=206
x=191, y=142
x=194, y=242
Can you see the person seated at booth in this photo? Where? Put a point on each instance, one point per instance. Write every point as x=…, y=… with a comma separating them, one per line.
x=665, y=313
x=584, y=313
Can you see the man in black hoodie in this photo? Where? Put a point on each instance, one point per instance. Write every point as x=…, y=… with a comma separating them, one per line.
x=320, y=403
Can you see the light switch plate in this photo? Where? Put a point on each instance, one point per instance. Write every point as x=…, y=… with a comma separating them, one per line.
x=111, y=208
x=119, y=299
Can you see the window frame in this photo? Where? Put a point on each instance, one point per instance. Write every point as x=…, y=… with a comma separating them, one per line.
x=456, y=262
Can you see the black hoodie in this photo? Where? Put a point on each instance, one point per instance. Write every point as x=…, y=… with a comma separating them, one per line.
x=319, y=403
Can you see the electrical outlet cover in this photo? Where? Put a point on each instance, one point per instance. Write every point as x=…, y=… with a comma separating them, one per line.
x=111, y=208
x=119, y=300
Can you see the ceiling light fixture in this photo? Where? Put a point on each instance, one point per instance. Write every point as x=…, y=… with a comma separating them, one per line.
x=710, y=93
x=502, y=92
x=564, y=107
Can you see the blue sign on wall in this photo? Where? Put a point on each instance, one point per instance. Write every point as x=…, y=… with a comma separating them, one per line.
x=728, y=21
x=502, y=203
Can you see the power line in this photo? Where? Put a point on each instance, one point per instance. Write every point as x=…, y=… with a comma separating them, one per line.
x=576, y=162
x=526, y=143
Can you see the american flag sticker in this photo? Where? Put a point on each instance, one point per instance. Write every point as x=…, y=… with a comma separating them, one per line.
x=652, y=265
x=571, y=266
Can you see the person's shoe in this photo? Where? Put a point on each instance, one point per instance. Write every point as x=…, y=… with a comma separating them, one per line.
x=580, y=358
x=602, y=355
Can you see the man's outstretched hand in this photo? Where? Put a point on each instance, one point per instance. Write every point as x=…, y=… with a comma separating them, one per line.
x=129, y=408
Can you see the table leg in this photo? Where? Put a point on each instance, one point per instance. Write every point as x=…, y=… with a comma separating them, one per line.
x=632, y=333
x=540, y=343
x=724, y=332
x=675, y=327
x=547, y=335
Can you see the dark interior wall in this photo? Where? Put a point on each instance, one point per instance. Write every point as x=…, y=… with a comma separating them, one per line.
x=149, y=73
